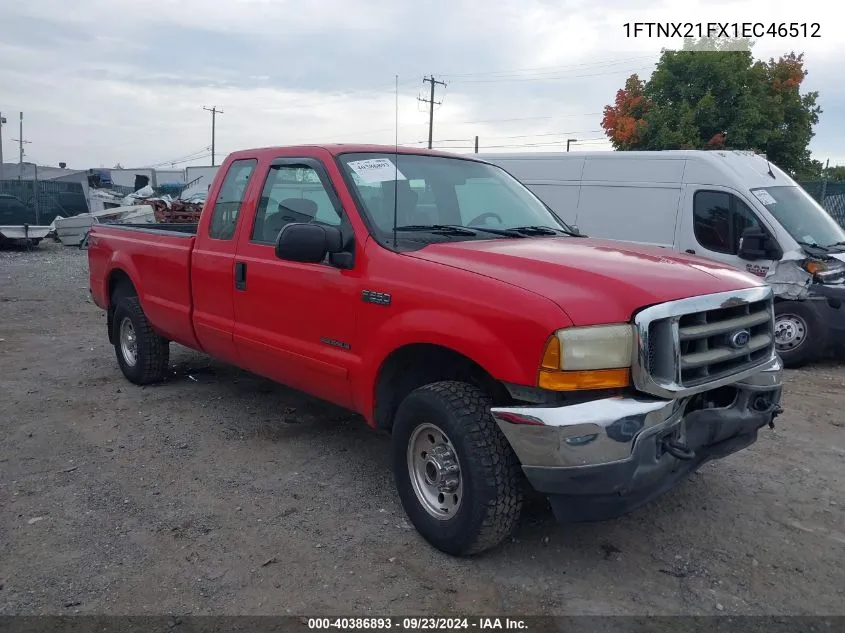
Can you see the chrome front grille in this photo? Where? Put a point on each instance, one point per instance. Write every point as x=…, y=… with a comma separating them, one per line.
x=700, y=343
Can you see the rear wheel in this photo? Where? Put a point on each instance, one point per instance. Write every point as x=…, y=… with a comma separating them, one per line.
x=799, y=337
x=457, y=476
x=142, y=354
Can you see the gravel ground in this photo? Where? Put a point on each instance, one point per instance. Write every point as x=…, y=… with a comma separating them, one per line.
x=218, y=492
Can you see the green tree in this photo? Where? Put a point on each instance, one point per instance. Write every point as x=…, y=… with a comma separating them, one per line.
x=714, y=95
x=835, y=173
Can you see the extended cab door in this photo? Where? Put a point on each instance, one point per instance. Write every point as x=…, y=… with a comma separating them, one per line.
x=213, y=261
x=295, y=322
x=713, y=221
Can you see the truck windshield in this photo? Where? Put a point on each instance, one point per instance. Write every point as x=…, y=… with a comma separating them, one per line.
x=451, y=196
x=802, y=217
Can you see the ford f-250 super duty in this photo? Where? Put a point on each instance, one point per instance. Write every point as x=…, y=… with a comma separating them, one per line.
x=440, y=299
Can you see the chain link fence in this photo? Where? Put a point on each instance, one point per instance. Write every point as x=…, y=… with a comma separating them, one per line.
x=831, y=195
x=28, y=202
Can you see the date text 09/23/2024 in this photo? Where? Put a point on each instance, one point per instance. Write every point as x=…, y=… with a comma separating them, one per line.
x=418, y=623
x=736, y=30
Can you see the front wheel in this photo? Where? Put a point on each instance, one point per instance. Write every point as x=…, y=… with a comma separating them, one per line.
x=457, y=476
x=799, y=336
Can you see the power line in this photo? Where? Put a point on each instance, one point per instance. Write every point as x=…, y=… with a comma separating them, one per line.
x=431, y=102
x=519, y=145
x=548, y=69
x=214, y=112
x=381, y=89
x=552, y=78
x=528, y=118
x=181, y=159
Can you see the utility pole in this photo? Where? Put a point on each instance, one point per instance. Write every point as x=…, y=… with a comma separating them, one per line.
x=214, y=112
x=21, y=142
x=476, y=144
x=2, y=121
x=569, y=141
x=824, y=182
x=431, y=103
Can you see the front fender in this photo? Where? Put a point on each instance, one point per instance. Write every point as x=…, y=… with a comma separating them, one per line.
x=513, y=359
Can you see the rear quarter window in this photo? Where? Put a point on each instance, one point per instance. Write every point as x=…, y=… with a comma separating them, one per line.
x=228, y=204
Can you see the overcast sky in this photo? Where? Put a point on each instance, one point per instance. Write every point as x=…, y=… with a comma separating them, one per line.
x=102, y=82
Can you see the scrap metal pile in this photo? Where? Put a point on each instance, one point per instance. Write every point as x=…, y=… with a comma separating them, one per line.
x=174, y=211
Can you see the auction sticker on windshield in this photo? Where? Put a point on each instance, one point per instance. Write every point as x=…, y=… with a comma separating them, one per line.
x=764, y=196
x=376, y=170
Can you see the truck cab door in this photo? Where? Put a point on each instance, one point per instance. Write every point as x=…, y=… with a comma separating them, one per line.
x=712, y=223
x=213, y=263
x=295, y=322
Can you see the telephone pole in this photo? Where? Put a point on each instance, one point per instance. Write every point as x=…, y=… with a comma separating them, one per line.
x=21, y=142
x=214, y=112
x=2, y=121
x=431, y=103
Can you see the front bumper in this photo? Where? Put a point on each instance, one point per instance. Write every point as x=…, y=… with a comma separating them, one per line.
x=603, y=458
x=828, y=301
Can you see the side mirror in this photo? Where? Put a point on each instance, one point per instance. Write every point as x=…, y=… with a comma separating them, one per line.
x=309, y=243
x=755, y=243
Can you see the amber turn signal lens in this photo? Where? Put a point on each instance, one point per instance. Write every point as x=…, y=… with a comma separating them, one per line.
x=551, y=357
x=814, y=267
x=578, y=380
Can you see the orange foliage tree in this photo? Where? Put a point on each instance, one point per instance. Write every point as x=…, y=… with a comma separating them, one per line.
x=714, y=97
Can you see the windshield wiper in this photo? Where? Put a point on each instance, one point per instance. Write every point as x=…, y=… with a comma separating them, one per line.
x=504, y=232
x=540, y=230
x=823, y=249
x=447, y=229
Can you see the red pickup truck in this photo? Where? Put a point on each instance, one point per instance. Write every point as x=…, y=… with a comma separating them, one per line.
x=439, y=298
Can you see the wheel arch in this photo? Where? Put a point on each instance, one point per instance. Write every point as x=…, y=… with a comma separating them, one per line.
x=119, y=285
x=416, y=364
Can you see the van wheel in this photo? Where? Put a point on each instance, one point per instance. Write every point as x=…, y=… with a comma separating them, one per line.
x=799, y=337
x=142, y=354
x=457, y=476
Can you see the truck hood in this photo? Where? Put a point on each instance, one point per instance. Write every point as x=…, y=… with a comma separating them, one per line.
x=593, y=281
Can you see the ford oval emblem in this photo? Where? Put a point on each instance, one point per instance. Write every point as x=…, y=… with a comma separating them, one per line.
x=740, y=339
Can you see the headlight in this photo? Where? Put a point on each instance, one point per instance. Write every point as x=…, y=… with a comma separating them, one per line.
x=825, y=271
x=595, y=357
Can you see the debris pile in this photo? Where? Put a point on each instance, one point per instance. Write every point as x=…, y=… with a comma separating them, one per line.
x=174, y=211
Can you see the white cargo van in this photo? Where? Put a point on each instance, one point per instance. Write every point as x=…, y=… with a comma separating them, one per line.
x=732, y=206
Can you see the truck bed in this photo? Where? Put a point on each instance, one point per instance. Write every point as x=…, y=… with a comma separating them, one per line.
x=187, y=229
x=158, y=261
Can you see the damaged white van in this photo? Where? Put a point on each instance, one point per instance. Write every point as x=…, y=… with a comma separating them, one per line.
x=731, y=206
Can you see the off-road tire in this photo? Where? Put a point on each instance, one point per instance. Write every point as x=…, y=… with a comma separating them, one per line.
x=491, y=474
x=153, y=351
x=814, y=336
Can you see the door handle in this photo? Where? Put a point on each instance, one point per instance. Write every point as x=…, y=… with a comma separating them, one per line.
x=690, y=251
x=240, y=275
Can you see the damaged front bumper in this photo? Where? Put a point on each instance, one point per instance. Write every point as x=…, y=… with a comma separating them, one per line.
x=828, y=303
x=603, y=458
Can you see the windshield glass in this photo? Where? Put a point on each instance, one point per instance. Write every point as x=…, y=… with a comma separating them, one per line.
x=802, y=217
x=436, y=190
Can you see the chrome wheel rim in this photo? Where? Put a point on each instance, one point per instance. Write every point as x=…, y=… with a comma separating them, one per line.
x=435, y=471
x=128, y=342
x=790, y=332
